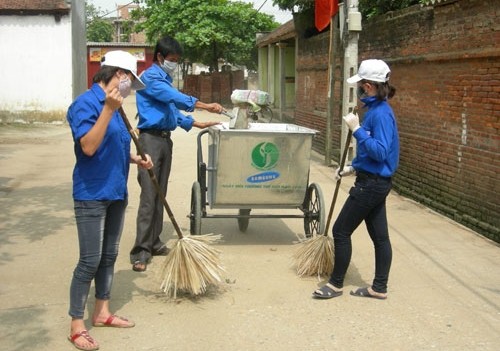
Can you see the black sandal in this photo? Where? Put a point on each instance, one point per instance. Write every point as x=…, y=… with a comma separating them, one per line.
x=363, y=292
x=325, y=292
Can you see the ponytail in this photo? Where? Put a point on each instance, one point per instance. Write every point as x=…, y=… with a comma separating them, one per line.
x=384, y=90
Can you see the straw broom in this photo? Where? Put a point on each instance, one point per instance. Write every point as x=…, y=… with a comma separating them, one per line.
x=315, y=256
x=191, y=265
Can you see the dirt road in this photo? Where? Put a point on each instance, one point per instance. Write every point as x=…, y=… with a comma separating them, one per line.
x=444, y=291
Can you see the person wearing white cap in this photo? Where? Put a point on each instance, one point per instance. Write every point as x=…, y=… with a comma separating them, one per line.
x=102, y=151
x=376, y=161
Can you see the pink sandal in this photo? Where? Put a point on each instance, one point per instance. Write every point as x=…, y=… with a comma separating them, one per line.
x=111, y=318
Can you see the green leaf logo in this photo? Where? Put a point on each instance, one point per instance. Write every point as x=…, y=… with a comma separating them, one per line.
x=265, y=156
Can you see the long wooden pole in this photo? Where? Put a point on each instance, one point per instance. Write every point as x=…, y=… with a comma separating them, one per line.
x=337, y=185
x=331, y=93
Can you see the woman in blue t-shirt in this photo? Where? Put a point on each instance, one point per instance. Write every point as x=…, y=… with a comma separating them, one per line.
x=377, y=158
x=102, y=150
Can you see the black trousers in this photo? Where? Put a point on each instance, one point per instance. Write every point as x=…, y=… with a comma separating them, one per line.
x=366, y=202
x=150, y=212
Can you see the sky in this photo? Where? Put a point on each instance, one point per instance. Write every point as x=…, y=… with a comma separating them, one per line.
x=279, y=16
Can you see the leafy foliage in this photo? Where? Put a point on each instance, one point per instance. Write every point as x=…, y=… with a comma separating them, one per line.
x=98, y=29
x=209, y=30
x=291, y=5
x=126, y=30
x=369, y=8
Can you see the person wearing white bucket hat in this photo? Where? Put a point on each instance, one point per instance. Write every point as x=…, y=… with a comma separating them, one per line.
x=102, y=151
x=376, y=161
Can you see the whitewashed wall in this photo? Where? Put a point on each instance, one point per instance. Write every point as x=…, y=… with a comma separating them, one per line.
x=35, y=65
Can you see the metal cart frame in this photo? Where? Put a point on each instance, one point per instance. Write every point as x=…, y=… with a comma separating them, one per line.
x=212, y=188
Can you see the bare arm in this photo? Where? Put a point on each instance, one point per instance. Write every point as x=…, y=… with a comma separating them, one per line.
x=91, y=141
x=202, y=125
x=212, y=107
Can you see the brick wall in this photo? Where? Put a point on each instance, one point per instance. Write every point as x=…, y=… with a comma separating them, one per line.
x=214, y=87
x=445, y=63
x=312, y=89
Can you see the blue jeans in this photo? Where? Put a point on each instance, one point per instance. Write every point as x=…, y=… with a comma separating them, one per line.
x=366, y=202
x=100, y=225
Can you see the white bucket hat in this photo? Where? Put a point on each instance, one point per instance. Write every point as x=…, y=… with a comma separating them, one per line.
x=374, y=70
x=123, y=60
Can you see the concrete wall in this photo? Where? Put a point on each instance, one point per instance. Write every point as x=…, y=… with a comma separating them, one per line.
x=36, y=62
x=263, y=63
x=445, y=63
x=290, y=77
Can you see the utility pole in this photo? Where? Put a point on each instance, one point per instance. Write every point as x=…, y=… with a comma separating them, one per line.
x=78, y=46
x=350, y=19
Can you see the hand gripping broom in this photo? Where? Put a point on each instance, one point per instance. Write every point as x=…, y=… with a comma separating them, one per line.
x=315, y=256
x=191, y=265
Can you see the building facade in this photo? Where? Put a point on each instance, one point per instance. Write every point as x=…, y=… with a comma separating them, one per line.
x=36, y=60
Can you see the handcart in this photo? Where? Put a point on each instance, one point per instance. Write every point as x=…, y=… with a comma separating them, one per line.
x=265, y=166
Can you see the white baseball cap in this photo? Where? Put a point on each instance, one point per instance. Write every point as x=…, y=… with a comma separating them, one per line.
x=123, y=60
x=374, y=70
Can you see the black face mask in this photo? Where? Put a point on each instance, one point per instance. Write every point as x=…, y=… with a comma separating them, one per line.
x=361, y=92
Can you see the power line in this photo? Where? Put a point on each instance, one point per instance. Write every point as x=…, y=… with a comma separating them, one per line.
x=262, y=5
x=118, y=8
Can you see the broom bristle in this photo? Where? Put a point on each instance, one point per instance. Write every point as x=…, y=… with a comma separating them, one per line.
x=191, y=266
x=314, y=256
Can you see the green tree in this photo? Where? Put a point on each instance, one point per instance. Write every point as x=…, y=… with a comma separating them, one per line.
x=294, y=5
x=368, y=8
x=127, y=30
x=209, y=30
x=98, y=29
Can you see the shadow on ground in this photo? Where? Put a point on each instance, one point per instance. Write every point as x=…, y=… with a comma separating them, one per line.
x=32, y=214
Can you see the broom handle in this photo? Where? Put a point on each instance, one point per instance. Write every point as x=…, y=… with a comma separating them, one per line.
x=151, y=173
x=337, y=186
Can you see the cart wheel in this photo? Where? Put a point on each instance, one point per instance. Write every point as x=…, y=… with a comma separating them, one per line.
x=195, y=215
x=267, y=114
x=314, y=211
x=243, y=222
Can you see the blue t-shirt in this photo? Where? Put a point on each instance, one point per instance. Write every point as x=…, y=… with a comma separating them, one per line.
x=159, y=103
x=378, y=140
x=104, y=175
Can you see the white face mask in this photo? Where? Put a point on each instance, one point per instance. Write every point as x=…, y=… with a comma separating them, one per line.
x=169, y=66
x=125, y=86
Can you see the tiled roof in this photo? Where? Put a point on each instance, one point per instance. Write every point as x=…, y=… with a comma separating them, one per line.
x=47, y=6
x=284, y=32
x=117, y=44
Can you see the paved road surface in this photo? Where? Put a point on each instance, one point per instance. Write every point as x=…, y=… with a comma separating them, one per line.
x=444, y=291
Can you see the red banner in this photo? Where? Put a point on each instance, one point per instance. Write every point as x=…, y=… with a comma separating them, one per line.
x=323, y=11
